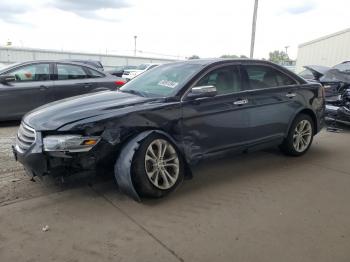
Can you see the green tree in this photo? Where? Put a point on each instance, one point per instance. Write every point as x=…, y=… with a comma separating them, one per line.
x=228, y=56
x=194, y=57
x=278, y=57
x=233, y=56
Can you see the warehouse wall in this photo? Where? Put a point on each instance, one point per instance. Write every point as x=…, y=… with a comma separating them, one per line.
x=327, y=51
x=9, y=55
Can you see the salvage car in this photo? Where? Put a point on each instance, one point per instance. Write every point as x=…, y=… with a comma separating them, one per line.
x=157, y=126
x=131, y=73
x=26, y=86
x=336, y=82
x=313, y=72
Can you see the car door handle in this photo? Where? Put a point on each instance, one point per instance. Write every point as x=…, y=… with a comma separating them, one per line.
x=241, y=102
x=43, y=87
x=290, y=95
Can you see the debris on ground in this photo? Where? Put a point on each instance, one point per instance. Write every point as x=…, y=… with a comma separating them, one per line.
x=45, y=228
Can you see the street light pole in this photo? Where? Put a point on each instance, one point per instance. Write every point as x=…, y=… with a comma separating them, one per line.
x=286, y=47
x=252, y=41
x=135, y=37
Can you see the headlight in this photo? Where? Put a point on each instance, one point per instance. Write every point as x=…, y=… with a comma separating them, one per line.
x=70, y=143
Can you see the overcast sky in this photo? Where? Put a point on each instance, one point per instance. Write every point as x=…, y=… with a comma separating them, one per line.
x=173, y=27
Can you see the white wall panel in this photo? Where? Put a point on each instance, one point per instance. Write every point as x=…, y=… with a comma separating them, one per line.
x=10, y=55
x=327, y=51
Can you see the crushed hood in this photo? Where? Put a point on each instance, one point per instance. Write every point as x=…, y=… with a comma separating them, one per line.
x=334, y=75
x=317, y=70
x=57, y=114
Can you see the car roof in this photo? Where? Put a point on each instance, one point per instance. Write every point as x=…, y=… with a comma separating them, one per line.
x=96, y=63
x=209, y=61
x=53, y=61
x=214, y=61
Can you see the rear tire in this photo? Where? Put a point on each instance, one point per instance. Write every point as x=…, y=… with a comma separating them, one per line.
x=157, y=167
x=299, y=137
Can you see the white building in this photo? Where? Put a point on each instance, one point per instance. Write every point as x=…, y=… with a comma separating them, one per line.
x=10, y=55
x=328, y=50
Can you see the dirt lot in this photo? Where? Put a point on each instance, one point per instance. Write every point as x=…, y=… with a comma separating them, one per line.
x=255, y=207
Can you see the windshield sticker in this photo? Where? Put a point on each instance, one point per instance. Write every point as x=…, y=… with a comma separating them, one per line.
x=168, y=83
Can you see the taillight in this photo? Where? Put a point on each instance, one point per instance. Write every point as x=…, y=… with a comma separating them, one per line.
x=119, y=82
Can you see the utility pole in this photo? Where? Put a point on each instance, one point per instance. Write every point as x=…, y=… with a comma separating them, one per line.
x=135, y=37
x=252, y=41
x=286, y=47
x=287, y=58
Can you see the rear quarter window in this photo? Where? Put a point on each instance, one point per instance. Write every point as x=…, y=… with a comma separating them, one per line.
x=93, y=73
x=260, y=76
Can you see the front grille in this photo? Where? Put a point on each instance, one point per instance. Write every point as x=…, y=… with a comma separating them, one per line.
x=25, y=137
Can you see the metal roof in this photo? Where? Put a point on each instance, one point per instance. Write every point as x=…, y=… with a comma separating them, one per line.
x=325, y=37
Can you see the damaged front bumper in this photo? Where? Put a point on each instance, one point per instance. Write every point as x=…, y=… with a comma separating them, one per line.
x=339, y=114
x=37, y=162
x=32, y=159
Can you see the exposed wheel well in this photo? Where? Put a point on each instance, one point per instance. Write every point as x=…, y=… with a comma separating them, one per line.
x=310, y=113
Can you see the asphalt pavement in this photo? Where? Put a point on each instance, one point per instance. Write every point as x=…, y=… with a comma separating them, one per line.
x=261, y=206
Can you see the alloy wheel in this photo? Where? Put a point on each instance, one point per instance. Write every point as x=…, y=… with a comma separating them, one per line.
x=302, y=136
x=162, y=164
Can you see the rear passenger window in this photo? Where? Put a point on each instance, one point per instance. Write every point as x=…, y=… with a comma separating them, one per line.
x=70, y=72
x=225, y=79
x=265, y=77
x=94, y=73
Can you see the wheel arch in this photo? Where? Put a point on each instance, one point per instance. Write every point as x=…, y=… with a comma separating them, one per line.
x=151, y=130
x=306, y=111
x=122, y=168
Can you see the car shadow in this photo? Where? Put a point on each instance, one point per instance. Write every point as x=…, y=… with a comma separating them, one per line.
x=10, y=123
x=207, y=175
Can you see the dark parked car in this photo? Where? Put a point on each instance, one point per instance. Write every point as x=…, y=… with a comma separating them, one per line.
x=26, y=86
x=119, y=70
x=336, y=82
x=161, y=123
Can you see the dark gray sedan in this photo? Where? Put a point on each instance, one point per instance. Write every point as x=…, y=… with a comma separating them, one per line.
x=26, y=86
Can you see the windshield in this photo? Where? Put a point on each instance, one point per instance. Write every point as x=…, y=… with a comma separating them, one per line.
x=162, y=81
x=343, y=67
x=142, y=66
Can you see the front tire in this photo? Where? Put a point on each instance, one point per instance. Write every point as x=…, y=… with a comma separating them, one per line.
x=299, y=137
x=157, y=167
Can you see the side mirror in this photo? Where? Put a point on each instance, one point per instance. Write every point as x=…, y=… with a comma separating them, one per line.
x=6, y=79
x=202, y=91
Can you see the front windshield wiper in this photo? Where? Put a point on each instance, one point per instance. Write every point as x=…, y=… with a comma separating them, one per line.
x=132, y=91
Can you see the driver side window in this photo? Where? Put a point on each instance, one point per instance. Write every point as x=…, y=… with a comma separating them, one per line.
x=225, y=79
x=34, y=72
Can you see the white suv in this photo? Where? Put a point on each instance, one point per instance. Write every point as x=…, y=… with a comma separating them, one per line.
x=131, y=73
